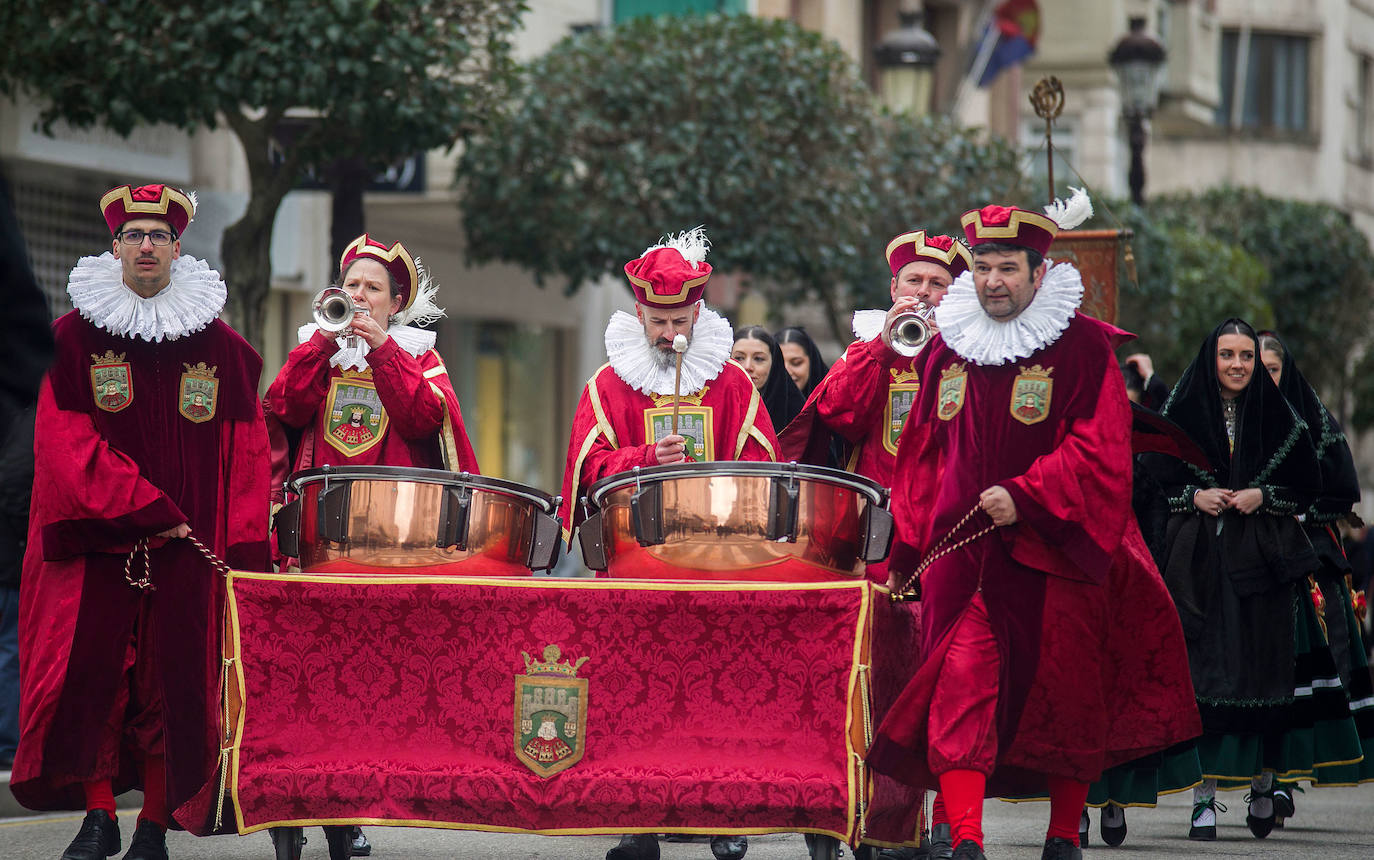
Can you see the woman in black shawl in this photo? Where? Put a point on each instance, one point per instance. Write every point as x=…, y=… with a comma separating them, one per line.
x=802, y=359
x=1237, y=563
x=758, y=353
x=1340, y=490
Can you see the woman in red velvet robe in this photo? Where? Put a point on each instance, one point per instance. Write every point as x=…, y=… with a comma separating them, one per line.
x=387, y=401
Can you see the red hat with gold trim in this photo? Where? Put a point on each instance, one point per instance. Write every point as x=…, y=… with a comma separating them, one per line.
x=395, y=259
x=934, y=248
x=162, y=202
x=673, y=273
x=1011, y=226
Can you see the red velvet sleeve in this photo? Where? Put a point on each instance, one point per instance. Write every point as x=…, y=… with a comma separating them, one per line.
x=416, y=410
x=851, y=398
x=1076, y=499
x=87, y=496
x=297, y=393
x=591, y=456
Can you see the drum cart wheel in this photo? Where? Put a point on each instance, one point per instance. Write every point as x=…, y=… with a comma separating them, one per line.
x=340, y=839
x=288, y=842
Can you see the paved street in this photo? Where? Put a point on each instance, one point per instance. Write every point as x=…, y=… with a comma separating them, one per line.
x=1333, y=823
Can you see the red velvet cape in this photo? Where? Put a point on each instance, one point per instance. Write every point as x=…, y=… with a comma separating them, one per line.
x=852, y=400
x=424, y=426
x=102, y=481
x=1094, y=670
x=609, y=434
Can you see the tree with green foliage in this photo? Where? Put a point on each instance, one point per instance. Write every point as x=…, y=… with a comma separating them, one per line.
x=1187, y=282
x=758, y=129
x=301, y=83
x=929, y=172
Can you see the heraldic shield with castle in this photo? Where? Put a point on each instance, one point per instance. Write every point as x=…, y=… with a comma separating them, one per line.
x=550, y=713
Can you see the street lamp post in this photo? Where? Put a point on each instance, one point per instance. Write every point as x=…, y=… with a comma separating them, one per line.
x=906, y=61
x=1137, y=59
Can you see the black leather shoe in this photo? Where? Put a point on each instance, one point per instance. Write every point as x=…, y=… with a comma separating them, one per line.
x=941, y=842
x=97, y=839
x=149, y=843
x=1059, y=848
x=1260, y=825
x=359, y=846
x=729, y=847
x=968, y=850
x=1112, y=823
x=905, y=853
x=635, y=846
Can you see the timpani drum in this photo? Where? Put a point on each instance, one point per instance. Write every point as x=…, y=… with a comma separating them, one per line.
x=779, y=522
x=373, y=519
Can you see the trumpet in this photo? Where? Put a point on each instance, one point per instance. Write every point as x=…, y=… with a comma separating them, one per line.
x=909, y=331
x=334, y=311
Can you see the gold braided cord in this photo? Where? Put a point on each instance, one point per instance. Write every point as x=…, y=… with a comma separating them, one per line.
x=144, y=582
x=910, y=589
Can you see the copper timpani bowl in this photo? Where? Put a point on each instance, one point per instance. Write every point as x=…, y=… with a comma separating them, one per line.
x=735, y=521
x=404, y=520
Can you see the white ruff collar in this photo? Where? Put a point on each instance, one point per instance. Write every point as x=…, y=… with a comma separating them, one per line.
x=632, y=358
x=868, y=325
x=188, y=304
x=416, y=341
x=979, y=338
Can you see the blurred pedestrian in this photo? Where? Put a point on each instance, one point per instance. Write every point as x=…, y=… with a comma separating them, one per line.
x=755, y=350
x=802, y=358
x=28, y=335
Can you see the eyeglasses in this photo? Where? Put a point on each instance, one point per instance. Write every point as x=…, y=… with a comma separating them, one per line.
x=157, y=237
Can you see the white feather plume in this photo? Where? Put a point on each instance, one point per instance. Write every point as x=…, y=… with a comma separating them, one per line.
x=195, y=204
x=691, y=244
x=424, y=310
x=1068, y=214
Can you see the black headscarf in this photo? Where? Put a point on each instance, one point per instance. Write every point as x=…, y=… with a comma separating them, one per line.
x=1272, y=446
x=1340, y=488
x=796, y=334
x=780, y=394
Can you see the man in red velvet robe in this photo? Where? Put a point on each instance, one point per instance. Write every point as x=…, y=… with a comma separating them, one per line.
x=1050, y=647
x=121, y=659
x=867, y=395
x=624, y=418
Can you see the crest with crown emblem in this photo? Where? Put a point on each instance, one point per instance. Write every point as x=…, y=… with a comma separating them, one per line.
x=112, y=381
x=550, y=713
x=354, y=418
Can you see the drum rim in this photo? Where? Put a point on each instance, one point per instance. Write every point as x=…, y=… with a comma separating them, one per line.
x=422, y=476
x=875, y=493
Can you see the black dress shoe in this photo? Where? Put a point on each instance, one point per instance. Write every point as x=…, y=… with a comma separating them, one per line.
x=635, y=846
x=1113, y=825
x=359, y=846
x=968, y=850
x=905, y=853
x=97, y=839
x=149, y=843
x=729, y=847
x=1059, y=848
x=1260, y=825
x=941, y=842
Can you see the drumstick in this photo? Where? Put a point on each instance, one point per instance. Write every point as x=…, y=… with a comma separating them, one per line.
x=679, y=347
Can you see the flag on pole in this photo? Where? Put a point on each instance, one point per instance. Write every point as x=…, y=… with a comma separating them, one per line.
x=1009, y=38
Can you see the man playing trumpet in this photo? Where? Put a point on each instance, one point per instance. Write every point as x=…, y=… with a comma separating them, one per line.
x=866, y=395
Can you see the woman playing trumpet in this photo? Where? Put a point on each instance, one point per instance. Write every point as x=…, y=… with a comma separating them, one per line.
x=386, y=400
